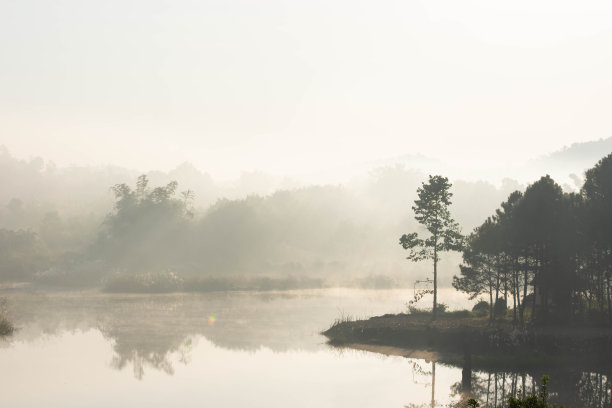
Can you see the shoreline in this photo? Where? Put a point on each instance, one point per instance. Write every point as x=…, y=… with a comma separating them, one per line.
x=459, y=340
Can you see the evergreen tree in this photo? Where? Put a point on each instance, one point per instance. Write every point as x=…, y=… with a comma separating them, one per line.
x=431, y=210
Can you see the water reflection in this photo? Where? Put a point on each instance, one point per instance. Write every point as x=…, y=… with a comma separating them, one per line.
x=146, y=329
x=572, y=388
x=174, y=334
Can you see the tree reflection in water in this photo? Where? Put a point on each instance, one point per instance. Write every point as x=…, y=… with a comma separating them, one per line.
x=155, y=332
x=567, y=387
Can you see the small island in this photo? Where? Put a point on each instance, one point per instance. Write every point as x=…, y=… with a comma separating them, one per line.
x=543, y=263
x=458, y=339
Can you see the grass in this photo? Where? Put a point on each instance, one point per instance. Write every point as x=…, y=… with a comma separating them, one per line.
x=343, y=318
x=6, y=327
x=443, y=312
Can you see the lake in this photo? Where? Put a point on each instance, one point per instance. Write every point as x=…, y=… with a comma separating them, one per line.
x=231, y=349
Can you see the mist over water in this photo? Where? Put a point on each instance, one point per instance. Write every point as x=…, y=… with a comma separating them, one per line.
x=225, y=349
x=151, y=297
x=194, y=349
x=305, y=204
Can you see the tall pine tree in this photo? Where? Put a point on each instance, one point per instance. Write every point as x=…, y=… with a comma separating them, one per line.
x=431, y=210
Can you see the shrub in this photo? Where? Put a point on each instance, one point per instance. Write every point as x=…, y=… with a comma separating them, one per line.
x=481, y=308
x=500, y=307
x=413, y=310
x=6, y=327
x=533, y=401
x=442, y=307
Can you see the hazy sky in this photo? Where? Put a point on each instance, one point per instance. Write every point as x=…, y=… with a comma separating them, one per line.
x=294, y=87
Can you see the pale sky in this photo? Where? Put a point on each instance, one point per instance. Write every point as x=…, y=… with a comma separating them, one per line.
x=292, y=87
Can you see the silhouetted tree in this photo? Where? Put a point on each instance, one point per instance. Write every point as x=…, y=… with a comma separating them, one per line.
x=478, y=271
x=554, y=247
x=431, y=210
x=597, y=192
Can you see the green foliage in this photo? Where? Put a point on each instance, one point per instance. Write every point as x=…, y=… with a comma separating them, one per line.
x=413, y=310
x=431, y=210
x=533, y=401
x=500, y=307
x=550, y=242
x=441, y=308
x=479, y=259
x=472, y=403
x=343, y=318
x=142, y=230
x=6, y=327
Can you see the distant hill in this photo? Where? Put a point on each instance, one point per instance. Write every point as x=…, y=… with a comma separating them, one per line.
x=585, y=152
x=566, y=166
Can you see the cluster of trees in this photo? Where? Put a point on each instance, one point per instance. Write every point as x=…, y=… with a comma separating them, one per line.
x=302, y=231
x=21, y=254
x=547, y=252
x=73, y=220
x=142, y=229
x=55, y=220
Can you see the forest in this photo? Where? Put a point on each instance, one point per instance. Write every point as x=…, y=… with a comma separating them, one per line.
x=546, y=253
x=83, y=226
x=152, y=233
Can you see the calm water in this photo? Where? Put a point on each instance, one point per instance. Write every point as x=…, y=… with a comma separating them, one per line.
x=231, y=350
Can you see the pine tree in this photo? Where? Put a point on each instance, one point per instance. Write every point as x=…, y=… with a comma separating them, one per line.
x=431, y=210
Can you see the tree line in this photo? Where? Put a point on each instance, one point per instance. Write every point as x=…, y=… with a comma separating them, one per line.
x=546, y=253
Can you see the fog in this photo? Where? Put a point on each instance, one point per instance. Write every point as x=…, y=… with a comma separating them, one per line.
x=83, y=226
x=305, y=203
x=292, y=88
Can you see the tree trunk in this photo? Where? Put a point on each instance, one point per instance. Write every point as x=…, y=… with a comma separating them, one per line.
x=433, y=384
x=505, y=282
x=504, y=387
x=435, y=282
x=525, y=282
x=609, y=301
x=600, y=286
x=466, y=372
x=490, y=301
x=488, y=389
x=496, y=292
x=536, y=275
x=533, y=304
x=514, y=288
x=495, y=398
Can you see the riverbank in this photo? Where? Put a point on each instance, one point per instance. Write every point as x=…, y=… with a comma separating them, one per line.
x=451, y=338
